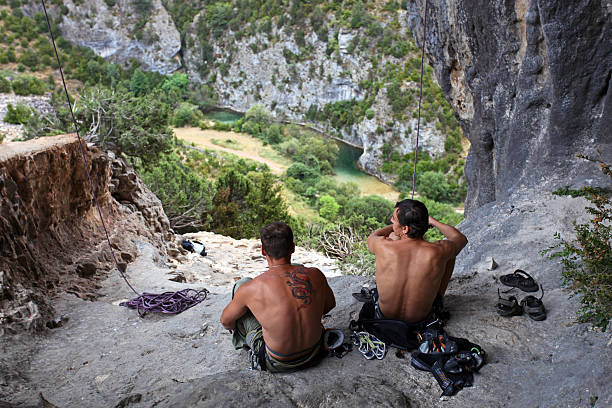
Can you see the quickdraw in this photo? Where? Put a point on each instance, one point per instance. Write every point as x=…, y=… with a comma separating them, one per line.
x=369, y=345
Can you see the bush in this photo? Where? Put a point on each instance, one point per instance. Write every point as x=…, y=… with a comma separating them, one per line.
x=2, y=136
x=328, y=207
x=187, y=115
x=18, y=115
x=5, y=85
x=587, y=260
x=370, y=206
x=28, y=85
x=29, y=59
x=126, y=123
x=245, y=203
x=433, y=185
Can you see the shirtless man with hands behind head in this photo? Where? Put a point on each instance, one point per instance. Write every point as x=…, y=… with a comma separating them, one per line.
x=411, y=272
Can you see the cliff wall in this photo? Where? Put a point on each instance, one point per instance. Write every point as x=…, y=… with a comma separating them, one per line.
x=530, y=82
x=51, y=239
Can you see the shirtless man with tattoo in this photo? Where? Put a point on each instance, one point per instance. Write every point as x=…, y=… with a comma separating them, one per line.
x=411, y=272
x=277, y=315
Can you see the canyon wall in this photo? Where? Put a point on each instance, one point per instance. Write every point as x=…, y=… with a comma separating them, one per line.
x=530, y=82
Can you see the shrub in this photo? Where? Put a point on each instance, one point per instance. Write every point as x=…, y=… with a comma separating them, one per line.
x=187, y=114
x=370, y=206
x=587, y=260
x=5, y=85
x=126, y=123
x=28, y=85
x=433, y=185
x=328, y=207
x=18, y=115
x=2, y=137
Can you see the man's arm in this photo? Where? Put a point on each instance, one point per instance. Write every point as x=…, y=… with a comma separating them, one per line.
x=378, y=236
x=452, y=234
x=235, y=309
x=330, y=299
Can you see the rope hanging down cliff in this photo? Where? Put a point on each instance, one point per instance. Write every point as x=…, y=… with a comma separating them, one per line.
x=168, y=302
x=416, y=149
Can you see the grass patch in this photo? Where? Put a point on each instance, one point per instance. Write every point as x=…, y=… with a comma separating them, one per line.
x=228, y=143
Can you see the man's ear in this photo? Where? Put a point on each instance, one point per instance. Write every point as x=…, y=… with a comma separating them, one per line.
x=406, y=229
x=263, y=251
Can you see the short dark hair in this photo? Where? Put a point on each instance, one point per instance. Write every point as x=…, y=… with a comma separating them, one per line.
x=413, y=214
x=277, y=240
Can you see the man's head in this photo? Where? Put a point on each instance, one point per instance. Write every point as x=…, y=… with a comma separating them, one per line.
x=412, y=214
x=277, y=240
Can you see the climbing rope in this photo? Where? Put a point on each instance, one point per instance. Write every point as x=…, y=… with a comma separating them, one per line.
x=416, y=149
x=167, y=302
x=369, y=345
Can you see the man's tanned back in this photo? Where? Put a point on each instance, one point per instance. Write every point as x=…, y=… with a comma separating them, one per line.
x=289, y=301
x=411, y=272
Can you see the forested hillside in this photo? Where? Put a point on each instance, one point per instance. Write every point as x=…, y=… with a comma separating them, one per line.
x=349, y=70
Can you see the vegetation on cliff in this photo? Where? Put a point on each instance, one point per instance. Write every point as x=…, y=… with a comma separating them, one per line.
x=587, y=259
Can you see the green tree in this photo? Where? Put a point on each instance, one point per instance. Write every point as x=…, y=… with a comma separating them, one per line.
x=139, y=84
x=18, y=115
x=328, y=207
x=187, y=114
x=176, y=85
x=28, y=85
x=123, y=122
x=218, y=16
x=433, y=185
x=370, y=206
x=264, y=203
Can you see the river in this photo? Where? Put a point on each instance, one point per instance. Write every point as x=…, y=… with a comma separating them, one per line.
x=346, y=170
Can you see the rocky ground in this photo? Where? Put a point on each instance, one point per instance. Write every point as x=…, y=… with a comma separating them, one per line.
x=106, y=355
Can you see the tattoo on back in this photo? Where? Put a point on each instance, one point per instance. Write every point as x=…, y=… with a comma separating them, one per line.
x=301, y=287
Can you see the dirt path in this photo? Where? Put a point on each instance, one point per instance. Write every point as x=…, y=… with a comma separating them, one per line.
x=244, y=145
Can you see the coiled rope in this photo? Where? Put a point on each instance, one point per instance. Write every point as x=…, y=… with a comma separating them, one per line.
x=168, y=302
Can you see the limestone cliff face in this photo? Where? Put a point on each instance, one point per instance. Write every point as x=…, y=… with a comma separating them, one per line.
x=51, y=239
x=530, y=81
x=258, y=73
x=113, y=33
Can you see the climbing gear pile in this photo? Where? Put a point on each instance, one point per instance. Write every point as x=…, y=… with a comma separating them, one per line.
x=451, y=360
x=369, y=345
x=166, y=302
